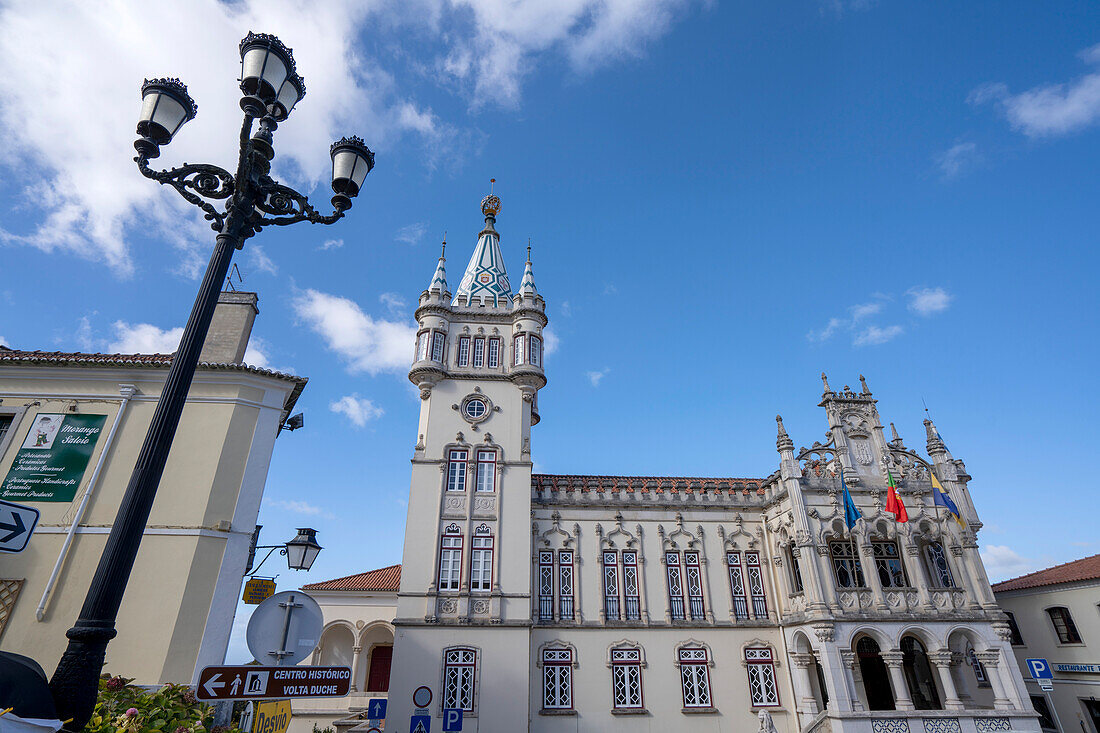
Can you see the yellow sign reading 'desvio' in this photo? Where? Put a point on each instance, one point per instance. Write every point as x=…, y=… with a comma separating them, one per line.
x=258, y=590
x=271, y=717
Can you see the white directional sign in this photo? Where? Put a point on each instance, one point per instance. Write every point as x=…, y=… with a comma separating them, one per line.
x=16, y=524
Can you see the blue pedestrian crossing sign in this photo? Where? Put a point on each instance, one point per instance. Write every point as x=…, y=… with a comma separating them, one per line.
x=452, y=720
x=1040, y=669
x=420, y=724
x=376, y=710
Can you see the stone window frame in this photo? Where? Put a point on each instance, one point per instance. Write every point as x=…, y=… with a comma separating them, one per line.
x=688, y=653
x=475, y=668
x=618, y=654
x=557, y=648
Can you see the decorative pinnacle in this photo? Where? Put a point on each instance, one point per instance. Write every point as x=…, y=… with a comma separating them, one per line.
x=783, y=441
x=864, y=383
x=490, y=205
x=825, y=381
x=935, y=443
x=528, y=250
x=894, y=432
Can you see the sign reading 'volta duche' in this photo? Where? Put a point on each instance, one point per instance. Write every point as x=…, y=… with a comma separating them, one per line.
x=51, y=462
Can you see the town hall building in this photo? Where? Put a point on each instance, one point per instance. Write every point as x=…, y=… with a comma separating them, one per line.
x=660, y=603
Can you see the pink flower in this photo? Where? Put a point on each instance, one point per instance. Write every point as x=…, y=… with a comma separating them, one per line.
x=131, y=712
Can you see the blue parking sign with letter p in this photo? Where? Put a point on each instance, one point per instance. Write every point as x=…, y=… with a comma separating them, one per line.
x=452, y=720
x=1040, y=669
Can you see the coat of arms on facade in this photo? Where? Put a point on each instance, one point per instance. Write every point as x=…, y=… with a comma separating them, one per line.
x=861, y=449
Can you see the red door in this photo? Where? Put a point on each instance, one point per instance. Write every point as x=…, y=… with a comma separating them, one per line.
x=378, y=675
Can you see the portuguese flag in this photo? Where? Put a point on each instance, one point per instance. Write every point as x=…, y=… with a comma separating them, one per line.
x=893, y=503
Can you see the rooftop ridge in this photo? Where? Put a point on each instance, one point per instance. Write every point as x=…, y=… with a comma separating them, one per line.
x=388, y=579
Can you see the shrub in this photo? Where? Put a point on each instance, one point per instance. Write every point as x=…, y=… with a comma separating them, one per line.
x=125, y=708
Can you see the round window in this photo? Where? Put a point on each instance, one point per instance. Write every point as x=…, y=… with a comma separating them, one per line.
x=475, y=408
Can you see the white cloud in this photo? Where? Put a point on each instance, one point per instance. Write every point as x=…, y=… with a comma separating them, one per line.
x=550, y=340
x=928, y=301
x=1049, y=109
x=859, y=312
x=826, y=333
x=873, y=335
x=144, y=338
x=566, y=308
x=332, y=244
x=596, y=377
x=356, y=409
x=610, y=289
x=393, y=302
x=259, y=260
x=299, y=507
x=1003, y=562
x=957, y=159
x=411, y=234
x=367, y=344
x=84, y=335
x=255, y=354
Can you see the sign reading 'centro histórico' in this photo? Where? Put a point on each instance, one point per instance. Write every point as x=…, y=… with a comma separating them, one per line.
x=51, y=462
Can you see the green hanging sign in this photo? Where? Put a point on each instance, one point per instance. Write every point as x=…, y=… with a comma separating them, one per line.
x=51, y=462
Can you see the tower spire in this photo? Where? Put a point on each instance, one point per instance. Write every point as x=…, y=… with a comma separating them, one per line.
x=439, y=279
x=486, y=279
x=527, y=285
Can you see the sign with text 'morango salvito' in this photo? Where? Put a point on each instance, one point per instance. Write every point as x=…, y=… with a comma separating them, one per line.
x=51, y=462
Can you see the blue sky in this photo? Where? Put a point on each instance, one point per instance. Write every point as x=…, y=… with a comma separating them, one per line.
x=724, y=200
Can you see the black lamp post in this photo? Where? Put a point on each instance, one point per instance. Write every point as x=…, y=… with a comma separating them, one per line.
x=254, y=200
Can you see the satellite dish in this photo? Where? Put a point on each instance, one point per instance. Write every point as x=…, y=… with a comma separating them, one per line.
x=284, y=629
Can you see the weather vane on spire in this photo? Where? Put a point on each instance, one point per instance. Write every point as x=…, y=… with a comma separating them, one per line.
x=490, y=205
x=528, y=250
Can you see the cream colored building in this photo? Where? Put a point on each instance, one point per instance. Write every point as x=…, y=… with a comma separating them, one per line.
x=179, y=605
x=621, y=603
x=1055, y=615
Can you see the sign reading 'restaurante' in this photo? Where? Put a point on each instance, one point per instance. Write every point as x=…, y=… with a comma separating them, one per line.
x=51, y=463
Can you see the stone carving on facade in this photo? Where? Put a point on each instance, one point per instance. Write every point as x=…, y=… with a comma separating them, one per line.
x=448, y=605
x=454, y=506
x=546, y=539
x=480, y=607
x=485, y=506
x=825, y=632
x=729, y=539
x=767, y=725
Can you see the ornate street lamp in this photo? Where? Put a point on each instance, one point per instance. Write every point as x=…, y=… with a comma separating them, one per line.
x=300, y=552
x=253, y=200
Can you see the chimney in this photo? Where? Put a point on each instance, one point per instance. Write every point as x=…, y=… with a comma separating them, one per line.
x=230, y=328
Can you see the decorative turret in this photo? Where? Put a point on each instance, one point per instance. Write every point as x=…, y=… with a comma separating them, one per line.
x=783, y=441
x=439, y=279
x=527, y=285
x=485, y=282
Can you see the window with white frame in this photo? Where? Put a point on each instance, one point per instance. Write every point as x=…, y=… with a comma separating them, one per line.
x=486, y=470
x=763, y=691
x=737, y=585
x=694, y=583
x=450, y=558
x=565, y=585
x=517, y=350
x=479, y=351
x=631, y=602
x=557, y=679
x=459, y=673
x=756, y=585
x=422, y=343
x=463, y=351
x=694, y=677
x=494, y=353
x=546, y=585
x=626, y=678
x=481, y=559
x=847, y=568
x=938, y=568
x=675, y=581
x=456, y=470
x=611, y=586
x=888, y=564
x=535, y=346
x=437, y=346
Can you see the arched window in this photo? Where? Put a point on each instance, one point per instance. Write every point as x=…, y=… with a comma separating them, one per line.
x=463, y=351
x=938, y=569
x=888, y=564
x=918, y=675
x=1063, y=625
x=795, y=570
x=626, y=678
x=459, y=678
x=846, y=566
x=450, y=558
x=557, y=679
x=694, y=677
x=763, y=689
x=876, y=680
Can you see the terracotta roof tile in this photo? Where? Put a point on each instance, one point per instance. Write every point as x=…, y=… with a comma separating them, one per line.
x=383, y=579
x=1087, y=568
x=656, y=484
x=77, y=358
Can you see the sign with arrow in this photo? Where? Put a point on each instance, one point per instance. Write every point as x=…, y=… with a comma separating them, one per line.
x=16, y=524
x=248, y=682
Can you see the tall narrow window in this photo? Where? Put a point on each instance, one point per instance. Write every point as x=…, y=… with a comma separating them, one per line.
x=632, y=606
x=546, y=585
x=1017, y=639
x=565, y=585
x=694, y=585
x=675, y=586
x=737, y=585
x=888, y=564
x=459, y=672
x=557, y=679
x=626, y=679
x=479, y=352
x=437, y=346
x=450, y=559
x=1063, y=625
x=756, y=585
x=535, y=345
x=494, y=353
x=517, y=349
x=422, y=345
x=977, y=666
x=694, y=678
x=486, y=470
x=481, y=560
x=456, y=470
x=940, y=571
x=796, y=571
x=463, y=351
x=846, y=566
x=763, y=691
x=610, y=586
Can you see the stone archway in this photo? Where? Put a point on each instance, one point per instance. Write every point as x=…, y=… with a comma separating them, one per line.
x=876, y=679
x=919, y=677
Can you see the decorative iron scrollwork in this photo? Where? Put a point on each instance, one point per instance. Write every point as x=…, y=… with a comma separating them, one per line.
x=287, y=206
x=196, y=182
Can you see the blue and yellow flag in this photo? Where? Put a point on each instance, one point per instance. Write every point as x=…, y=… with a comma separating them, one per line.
x=851, y=511
x=940, y=498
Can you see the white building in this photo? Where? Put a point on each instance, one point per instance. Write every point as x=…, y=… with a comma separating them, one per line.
x=623, y=603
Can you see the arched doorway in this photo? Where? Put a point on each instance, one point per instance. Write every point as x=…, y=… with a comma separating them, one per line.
x=876, y=680
x=336, y=647
x=918, y=675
